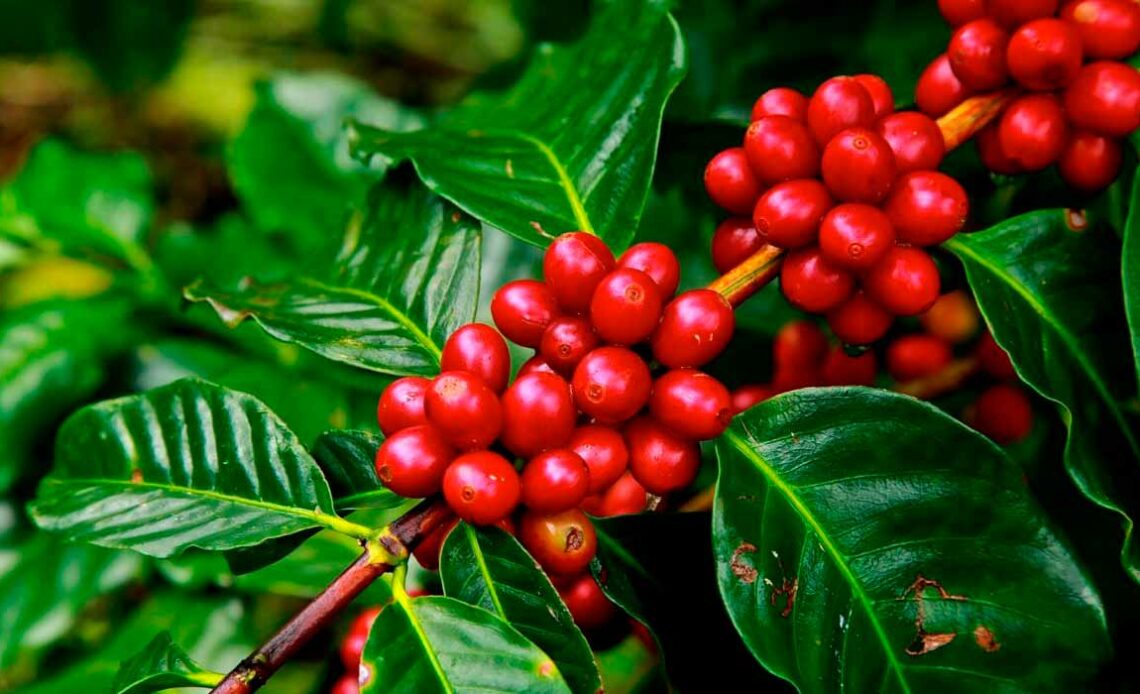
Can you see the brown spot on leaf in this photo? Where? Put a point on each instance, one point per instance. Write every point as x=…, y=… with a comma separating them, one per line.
x=456, y=216
x=1076, y=220
x=136, y=476
x=985, y=639
x=546, y=669
x=925, y=642
x=787, y=589
x=740, y=569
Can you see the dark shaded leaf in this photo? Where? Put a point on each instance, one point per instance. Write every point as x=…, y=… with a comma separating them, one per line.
x=131, y=45
x=348, y=459
x=1130, y=264
x=161, y=665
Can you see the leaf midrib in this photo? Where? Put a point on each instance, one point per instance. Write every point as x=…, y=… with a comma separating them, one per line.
x=406, y=603
x=789, y=493
x=484, y=570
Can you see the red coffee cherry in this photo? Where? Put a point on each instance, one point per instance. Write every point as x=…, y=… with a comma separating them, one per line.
x=842, y=369
x=660, y=460
x=1109, y=29
x=1105, y=98
x=1033, y=131
x=604, y=452
x=626, y=307
x=855, y=236
x=749, y=396
x=926, y=208
x=916, y=356
x=538, y=414
x=562, y=543
x=588, y=605
x=784, y=380
x=781, y=101
x=813, y=284
x=522, y=309
x=412, y=461
x=915, y=140
x=992, y=154
x=882, y=98
x=611, y=384
x=735, y=239
x=953, y=317
x=799, y=346
x=624, y=497
x=838, y=104
x=534, y=365
x=1003, y=413
x=555, y=481
x=1044, y=54
x=565, y=342
x=482, y=487
x=939, y=89
x=994, y=360
x=859, y=166
x=695, y=328
x=958, y=12
x=347, y=684
x=730, y=181
x=780, y=148
x=656, y=260
x=859, y=321
x=692, y=404
x=427, y=552
x=977, y=54
x=573, y=265
x=1089, y=161
x=463, y=410
x=478, y=349
x=788, y=215
x=353, y=645
x=906, y=282
x=402, y=404
x=1014, y=13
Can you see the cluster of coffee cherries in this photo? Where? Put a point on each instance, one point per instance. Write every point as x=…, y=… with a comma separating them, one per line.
x=610, y=408
x=1080, y=99
x=848, y=186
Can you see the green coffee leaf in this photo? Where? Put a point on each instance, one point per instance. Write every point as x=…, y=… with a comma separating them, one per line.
x=161, y=665
x=1130, y=264
x=348, y=459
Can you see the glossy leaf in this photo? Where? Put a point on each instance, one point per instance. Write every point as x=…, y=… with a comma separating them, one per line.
x=867, y=541
x=348, y=459
x=1130, y=264
x=407, y=277
x=161, y=665
x=187, y=465
x=571, y=145
x=1048, y=288
x=488, y=568
x=436, y=644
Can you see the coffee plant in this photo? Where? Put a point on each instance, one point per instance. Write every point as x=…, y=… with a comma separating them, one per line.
x=624, y=345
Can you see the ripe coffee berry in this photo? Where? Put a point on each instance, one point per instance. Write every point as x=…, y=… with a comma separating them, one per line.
x=624, y=497
x=788, y=215
x=842, y=369
x=573, y=265
x=939, y=89
x=855, y=236
x=660, y=460
x=588, y=605
x=626, y=307
x=1014, y=13
x=1033, y=131
x=1003, y=413
x=859, y=166
x=534, y=365
x=730, y=181
x=611, y=384
x=813, y=284
x=780, y=148
x=538, y=414
x=692, y=404
x=838, y=104
x=695, y=328
x=481, y=487
x=798, y=346
x=554, y=481
x=1044, y=54
x=953, y=317
x=522, y=309
x=347, y=684
x=656, y=260
x=905, y=283
x=995, y=360
x=402, y=404
x=958, y=12
x=1089, y=161
x=478, y=349
x=1109, y=29
x=916, y=356
x=882, y=98
x=1105, y=98
x=992, y=154
x=781, y=101
x=464, y=410
x=915, y=140
x=926, y=208
x=412, y=461
x=977, y=54
x=735, y=239
x=859, y=321
x=604, y=452
x=427, y=552
x=565, y=342
x=749, y=396
x=562, y=543
x=353, y=645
